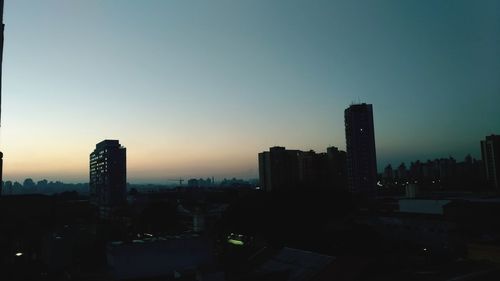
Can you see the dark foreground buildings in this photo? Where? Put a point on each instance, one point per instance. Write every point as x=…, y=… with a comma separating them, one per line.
x=108, y=176
x=360, y=145
x=282, y=169
x=490, y=151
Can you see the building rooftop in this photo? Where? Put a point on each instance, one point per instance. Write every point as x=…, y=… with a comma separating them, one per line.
x=107, y=143
x=299, y=264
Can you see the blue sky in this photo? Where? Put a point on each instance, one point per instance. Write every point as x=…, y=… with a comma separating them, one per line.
x=198, y=88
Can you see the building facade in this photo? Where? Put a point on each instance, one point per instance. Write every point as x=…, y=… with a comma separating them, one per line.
x=279, y=168
x=282, y=169
x=108, y=174
x=360, y=144
x=490, y=152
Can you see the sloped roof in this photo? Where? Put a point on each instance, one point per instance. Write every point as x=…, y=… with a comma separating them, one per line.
x=300, y=265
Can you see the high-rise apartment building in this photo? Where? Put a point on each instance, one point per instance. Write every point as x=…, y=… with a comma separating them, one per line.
x=337, y=166
x=108, y=174
x=360, y=145
x=281, y=169
x=490, y=152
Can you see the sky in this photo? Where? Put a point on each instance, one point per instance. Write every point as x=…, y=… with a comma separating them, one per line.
x=199, y=88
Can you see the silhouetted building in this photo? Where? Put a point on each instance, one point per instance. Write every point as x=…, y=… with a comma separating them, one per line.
x=279, y=169
x=439, y=174
x=159, y=258
x=282, y=169
x=402, y=172
x=294, y=264
x=388, y=173
x=415, y=172
x=337, y=166
x=360, y=144
x=200, y=182
x=490, y=152
x=108, y=175
x=469, y=174
x=447, y=167
x=310, y=166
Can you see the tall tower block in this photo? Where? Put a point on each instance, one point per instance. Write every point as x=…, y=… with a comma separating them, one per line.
x=108, y=176
x=360, y=144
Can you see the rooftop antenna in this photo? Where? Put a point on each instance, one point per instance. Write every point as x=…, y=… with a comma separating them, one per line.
x=356, y=101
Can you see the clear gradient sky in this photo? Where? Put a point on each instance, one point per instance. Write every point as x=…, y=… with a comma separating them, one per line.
x=198, y=88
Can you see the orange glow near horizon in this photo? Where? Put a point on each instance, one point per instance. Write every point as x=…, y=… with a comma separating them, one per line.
x=70, y=162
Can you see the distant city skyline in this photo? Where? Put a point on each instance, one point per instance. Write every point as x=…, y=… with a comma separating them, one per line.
x=198, y=89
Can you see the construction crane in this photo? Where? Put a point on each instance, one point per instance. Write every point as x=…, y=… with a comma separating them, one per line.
x=179, y=180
